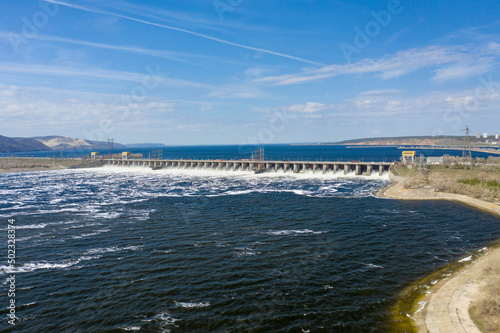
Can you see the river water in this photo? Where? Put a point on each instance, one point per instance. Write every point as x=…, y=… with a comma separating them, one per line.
x=118, y=249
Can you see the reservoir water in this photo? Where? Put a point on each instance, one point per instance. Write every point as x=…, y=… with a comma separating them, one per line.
x=130, y=249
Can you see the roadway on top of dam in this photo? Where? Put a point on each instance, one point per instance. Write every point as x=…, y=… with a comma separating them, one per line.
x=260, y=166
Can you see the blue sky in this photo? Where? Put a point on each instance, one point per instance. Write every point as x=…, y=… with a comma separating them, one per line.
x=240, y=71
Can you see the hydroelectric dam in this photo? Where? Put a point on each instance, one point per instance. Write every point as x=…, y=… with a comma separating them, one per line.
x=259, y=166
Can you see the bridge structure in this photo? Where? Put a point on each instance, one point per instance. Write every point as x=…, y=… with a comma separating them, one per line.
x=258, y=166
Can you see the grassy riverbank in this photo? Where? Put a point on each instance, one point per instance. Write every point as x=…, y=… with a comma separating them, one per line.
x=8, y=164
x=462, y=294
x=480, y=182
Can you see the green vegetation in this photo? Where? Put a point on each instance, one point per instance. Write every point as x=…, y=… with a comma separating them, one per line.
x=479, y=180
x=470, y=181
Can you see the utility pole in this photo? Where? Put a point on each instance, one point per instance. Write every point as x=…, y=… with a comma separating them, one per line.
x=421, y=165
x=110, y=147
x=466, y=152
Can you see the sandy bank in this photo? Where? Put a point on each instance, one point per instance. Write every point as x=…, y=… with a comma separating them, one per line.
x=396, y=191
x=445, y=306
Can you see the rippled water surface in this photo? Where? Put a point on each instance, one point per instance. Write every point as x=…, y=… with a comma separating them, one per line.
x=119, y=249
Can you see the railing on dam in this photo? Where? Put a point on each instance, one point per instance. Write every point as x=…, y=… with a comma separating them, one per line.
x=356, y=167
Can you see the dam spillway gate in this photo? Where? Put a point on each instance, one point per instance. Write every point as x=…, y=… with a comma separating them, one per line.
x=358, y=168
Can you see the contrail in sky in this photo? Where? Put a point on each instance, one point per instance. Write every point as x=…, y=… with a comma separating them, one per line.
x=187, y=32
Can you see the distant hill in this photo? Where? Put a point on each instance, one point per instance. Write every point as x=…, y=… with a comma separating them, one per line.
x=12, y=145
x=64, y=143
x=145, y=145
x=415, y=140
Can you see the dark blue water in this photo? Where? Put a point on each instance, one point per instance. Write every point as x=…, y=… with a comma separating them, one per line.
x=117, y=249
x=272, y=152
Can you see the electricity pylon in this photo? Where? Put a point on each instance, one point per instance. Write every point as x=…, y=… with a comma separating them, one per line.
x=466, y=153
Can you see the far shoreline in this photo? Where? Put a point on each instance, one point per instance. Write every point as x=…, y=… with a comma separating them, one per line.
x=445, y=305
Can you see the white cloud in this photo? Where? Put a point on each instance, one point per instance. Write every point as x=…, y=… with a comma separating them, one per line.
x=165, y=54
x=256, y=71
x=309, y=107
x=97, y=73
x=38, y=110
x=459, y=71
x=380, y=104
x=8, y=91
x=236, y=91
x=401, y=63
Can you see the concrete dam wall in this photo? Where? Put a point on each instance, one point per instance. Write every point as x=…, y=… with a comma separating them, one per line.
x=359, y=168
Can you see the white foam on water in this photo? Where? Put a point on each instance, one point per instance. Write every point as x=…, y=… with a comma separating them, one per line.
x=294, y=232
x=245, y=251
x=469, y=258
x=102, y=250
x=211, y=172
x=57, y=200
x=165, y=320
x=238, y=192
x=41, y=225
x=107, y=215
x=421, y=306
x=31, y=226
x=91, y=233
x=131, y=328
x=373, y=266
x=188, y=305
x=22, y=239
x=26, y=288
x=33, y=266
x=27, y=305
x=168, y=171
x=52, y=211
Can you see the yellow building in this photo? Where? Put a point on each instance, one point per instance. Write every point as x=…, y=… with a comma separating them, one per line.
x=408, y=156
x=126, y=155
x=94, y=154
